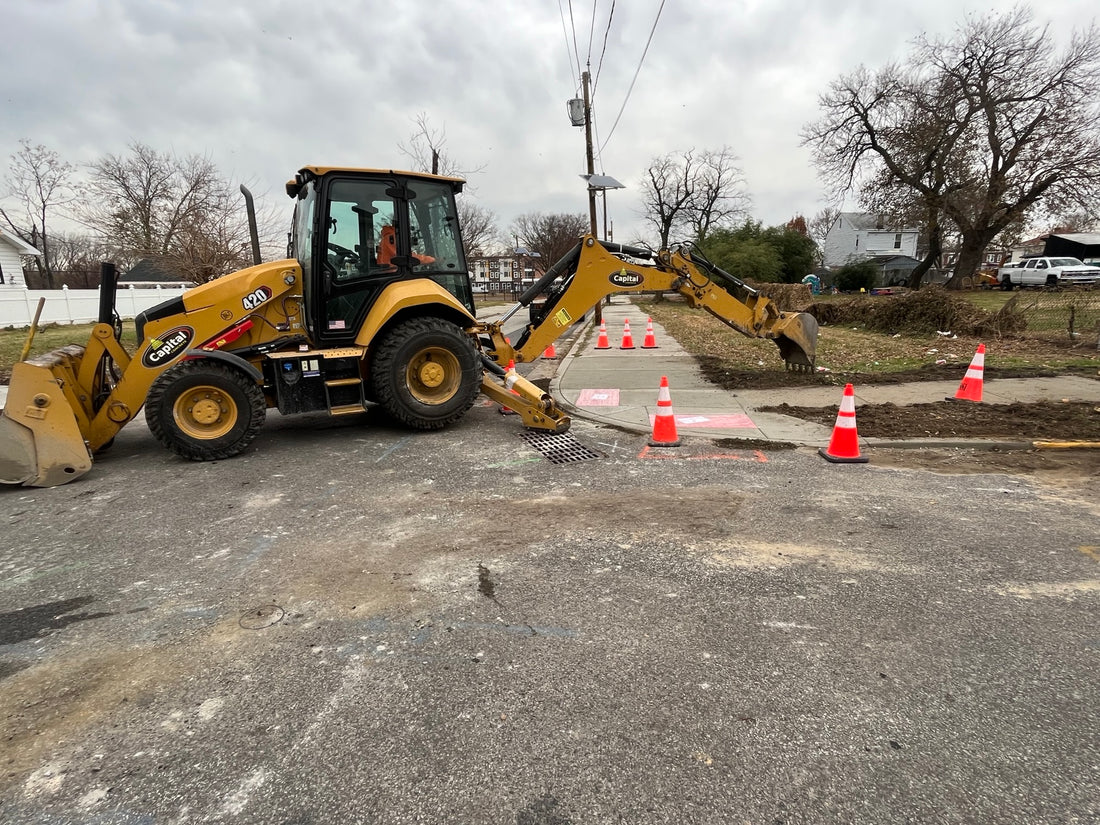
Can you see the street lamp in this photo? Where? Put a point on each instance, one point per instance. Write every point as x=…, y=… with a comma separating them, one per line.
x=601, y=183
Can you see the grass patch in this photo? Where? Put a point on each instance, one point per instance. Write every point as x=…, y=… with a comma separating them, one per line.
x=991, y=300
x=851, y=348
x=49, y=337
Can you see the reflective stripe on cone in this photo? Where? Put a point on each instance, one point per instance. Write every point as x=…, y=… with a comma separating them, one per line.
x=664, y=423
x=844, y=445
x=970, y=388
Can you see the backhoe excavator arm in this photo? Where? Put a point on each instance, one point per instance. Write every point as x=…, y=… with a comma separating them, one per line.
x=590, y=272
x=594, y=270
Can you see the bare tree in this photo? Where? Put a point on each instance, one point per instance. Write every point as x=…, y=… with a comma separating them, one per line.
x=819, y=225
x=667, y=192
x=77, y=259
x=1073, y=220
x=720, y=198
x=693, y=193
x=42, y=183
x=479, y=230
x=426, y=149
x=216, y=241
x=550, y=236
x=152, y=204
x=980, y=128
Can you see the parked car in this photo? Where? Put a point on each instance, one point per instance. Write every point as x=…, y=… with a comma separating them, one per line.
x=1003, y=274
x=1056, y=272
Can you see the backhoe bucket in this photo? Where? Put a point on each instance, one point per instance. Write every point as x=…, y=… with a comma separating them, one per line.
x=797, y=340
x=41, y=444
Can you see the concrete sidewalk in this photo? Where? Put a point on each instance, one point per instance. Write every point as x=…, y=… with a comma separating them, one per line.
x=619, y=387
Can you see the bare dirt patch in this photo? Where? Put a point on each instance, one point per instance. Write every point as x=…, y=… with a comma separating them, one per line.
x=1056, y=467
x=1061, y=423
x=1043, y=421
x=924, y=337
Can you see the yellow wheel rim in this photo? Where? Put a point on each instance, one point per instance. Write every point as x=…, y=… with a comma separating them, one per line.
x=433, y=375
x=205, y=412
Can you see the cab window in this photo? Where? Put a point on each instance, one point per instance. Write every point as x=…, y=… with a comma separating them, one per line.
x=433, y=229
x=360, y=230
x=434, y=239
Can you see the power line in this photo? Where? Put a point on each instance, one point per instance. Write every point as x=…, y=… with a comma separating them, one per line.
x=591, y=35
x=640, y=61
x=573, y=26
x=603, y=51
x=568, y=56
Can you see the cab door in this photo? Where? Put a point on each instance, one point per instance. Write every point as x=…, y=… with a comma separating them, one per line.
x=359, y=237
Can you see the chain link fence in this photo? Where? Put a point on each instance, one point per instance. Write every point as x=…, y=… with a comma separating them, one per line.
x=1066, y=316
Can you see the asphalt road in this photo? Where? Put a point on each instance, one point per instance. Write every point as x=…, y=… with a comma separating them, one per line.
x=357, y=624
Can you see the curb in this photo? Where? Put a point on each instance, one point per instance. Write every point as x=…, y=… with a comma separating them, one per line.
x=942, y=444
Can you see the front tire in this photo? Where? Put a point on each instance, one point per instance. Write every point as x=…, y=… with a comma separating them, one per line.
x=426, y=373
x=204, y=411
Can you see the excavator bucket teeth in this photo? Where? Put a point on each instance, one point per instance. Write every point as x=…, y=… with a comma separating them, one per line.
x=797, y=340
x=41, y=444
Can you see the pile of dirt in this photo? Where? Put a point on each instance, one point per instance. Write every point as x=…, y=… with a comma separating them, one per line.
x=718, y=372
x=924, y=312
x=787, y=297
x=1042, y=421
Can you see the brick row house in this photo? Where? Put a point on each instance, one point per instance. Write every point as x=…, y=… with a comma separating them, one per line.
x=504, y=273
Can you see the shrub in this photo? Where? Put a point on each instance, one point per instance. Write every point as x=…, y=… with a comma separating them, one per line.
x=856, y=276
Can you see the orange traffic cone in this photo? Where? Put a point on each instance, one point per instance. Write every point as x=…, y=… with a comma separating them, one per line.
x=628, y=340
x=970, y=389
x=550, y=352
x=509, y=379
x=650, y=340
x=664, y=423
x=602, y=342
x=844, y=445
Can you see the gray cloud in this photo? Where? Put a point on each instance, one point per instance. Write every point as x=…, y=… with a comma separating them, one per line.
x=265, y=87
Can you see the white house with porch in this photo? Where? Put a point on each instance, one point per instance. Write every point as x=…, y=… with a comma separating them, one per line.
x=12, y=251
x=855, y=236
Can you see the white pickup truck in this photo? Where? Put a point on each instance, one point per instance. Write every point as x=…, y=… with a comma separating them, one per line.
x=1056, y=272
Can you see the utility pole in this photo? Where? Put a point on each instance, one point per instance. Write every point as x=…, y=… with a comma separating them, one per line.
x=591, y=171
x=588, y=149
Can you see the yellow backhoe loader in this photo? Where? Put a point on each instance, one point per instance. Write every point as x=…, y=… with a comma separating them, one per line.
x=372, y=306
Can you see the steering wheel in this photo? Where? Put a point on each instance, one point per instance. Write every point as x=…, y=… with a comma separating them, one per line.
x=339, y=259
x=343, y=253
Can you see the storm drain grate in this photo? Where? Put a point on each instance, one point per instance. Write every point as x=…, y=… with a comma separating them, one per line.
x=560, y=448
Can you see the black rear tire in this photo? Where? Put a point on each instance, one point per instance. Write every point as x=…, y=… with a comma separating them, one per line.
x=426, y=373
x=204, y=411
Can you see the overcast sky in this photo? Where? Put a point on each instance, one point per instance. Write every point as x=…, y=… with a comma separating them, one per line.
x=264, y=87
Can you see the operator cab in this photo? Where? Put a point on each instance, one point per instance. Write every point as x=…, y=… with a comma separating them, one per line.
x=356, y=231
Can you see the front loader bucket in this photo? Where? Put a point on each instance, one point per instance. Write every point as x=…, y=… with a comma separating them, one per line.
x=41, y=443
x=796, y=337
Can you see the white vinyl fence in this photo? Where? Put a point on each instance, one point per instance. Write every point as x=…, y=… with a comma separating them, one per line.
x=74, y=306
